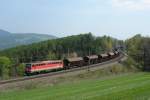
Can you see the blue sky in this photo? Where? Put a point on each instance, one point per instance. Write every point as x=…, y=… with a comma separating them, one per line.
x=117, y=18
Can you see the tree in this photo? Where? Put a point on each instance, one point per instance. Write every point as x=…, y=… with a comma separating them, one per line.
x=5, y=65
x=51, y=56
x=146, y=54
x=21, y=69
x=139, y=49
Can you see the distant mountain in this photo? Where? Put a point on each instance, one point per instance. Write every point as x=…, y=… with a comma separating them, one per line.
x=8, y=40
x=4, y=33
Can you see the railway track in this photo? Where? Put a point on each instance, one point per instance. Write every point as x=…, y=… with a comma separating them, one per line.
x=62, y=71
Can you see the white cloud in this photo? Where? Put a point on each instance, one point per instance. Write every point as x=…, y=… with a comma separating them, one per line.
x=132, y=4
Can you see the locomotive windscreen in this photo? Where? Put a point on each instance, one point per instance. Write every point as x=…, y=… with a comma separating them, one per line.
x=28, y=65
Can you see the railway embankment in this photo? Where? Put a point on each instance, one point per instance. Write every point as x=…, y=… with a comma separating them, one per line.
x=114, y=67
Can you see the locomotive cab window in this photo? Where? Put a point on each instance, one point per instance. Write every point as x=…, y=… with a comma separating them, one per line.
x=28, y=65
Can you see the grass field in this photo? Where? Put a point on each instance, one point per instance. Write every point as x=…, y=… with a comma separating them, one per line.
x=132, y=86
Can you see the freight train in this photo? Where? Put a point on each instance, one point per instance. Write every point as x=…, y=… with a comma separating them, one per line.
x=68, y=63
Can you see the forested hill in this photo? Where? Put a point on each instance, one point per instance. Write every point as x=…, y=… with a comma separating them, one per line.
x=72, y=46
x=8, y=40
x=78, y=45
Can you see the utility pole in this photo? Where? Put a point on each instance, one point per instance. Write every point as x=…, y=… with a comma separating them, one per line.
x=16, y=65
x=89, y=52
x=89, y=60
x=37, y=53
x=144, y=58
x=31, y=59
x=68, y=52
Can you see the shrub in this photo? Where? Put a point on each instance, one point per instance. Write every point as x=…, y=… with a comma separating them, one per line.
x=131, y=64
x=5, y=65
x=21, y=69
x=116, y=69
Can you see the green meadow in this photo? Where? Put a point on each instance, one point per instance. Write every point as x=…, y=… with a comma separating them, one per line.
x=132, y=86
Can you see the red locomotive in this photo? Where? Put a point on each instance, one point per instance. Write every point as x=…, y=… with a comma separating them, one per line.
x=43, y=66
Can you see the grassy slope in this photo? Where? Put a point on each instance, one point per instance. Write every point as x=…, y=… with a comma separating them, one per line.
x=125, y=87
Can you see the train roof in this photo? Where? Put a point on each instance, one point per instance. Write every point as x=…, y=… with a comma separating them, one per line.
x=74, y=59
x=92, y=57
x=104, y=55
x=116, y=52
x=48, y=61
x=111, y=53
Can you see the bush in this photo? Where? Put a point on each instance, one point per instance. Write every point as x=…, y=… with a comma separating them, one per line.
x=116, y=69
x=131, y=64
x=5, y=65
x=21, y=69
